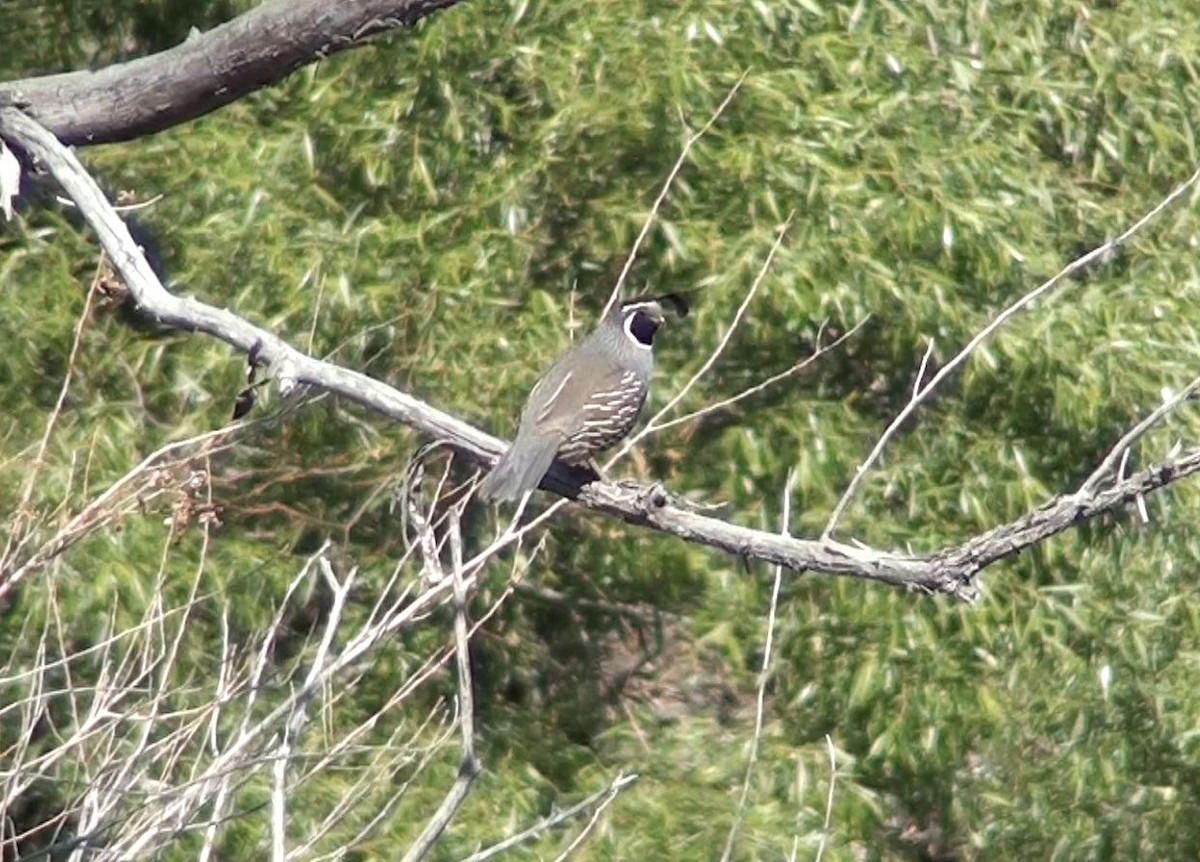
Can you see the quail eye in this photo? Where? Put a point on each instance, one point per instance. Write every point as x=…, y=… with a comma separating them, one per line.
x=642, y=327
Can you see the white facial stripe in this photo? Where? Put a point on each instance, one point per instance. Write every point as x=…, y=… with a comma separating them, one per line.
x=629, y=333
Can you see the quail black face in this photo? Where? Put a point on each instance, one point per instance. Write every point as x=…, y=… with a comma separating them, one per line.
x=642, y=321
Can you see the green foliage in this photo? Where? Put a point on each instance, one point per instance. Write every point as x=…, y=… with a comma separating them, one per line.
x=435, y=209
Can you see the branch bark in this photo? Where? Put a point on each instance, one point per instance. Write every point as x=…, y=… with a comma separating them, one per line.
x=208, y=70
x=951, y=571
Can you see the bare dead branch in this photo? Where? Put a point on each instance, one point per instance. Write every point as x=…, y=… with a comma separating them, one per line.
x=208, y=70
x=148, y=764
x=154, y=759
x=950, y=570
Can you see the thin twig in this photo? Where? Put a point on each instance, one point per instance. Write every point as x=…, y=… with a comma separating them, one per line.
x=764, y=674
x=119, y=497
x=637, y=613
x=17, y=532
x=790, y=371
x=922, y=395
x=602, y=795
x=468, y=768
x=666, y=188
x=462, y=645
x=1104, y=473
x=298, y=719
x=279, y=799
x=652, y=426
x=924, y=365
x=608, y=800
x=829, y=799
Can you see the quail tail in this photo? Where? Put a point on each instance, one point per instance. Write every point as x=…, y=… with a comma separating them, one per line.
x=520, y=469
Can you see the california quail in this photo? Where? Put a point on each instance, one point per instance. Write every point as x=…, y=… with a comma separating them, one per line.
x=586, y=401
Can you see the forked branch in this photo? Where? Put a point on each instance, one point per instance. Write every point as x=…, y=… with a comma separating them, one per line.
x=951, y=570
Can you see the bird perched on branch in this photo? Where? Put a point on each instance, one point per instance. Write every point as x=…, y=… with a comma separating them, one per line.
x=587, y=400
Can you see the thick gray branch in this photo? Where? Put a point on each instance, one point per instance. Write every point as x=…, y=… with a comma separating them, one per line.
x=208, y=70
x=948, y=571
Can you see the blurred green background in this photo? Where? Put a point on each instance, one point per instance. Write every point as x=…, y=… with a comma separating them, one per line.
x=435, y=208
